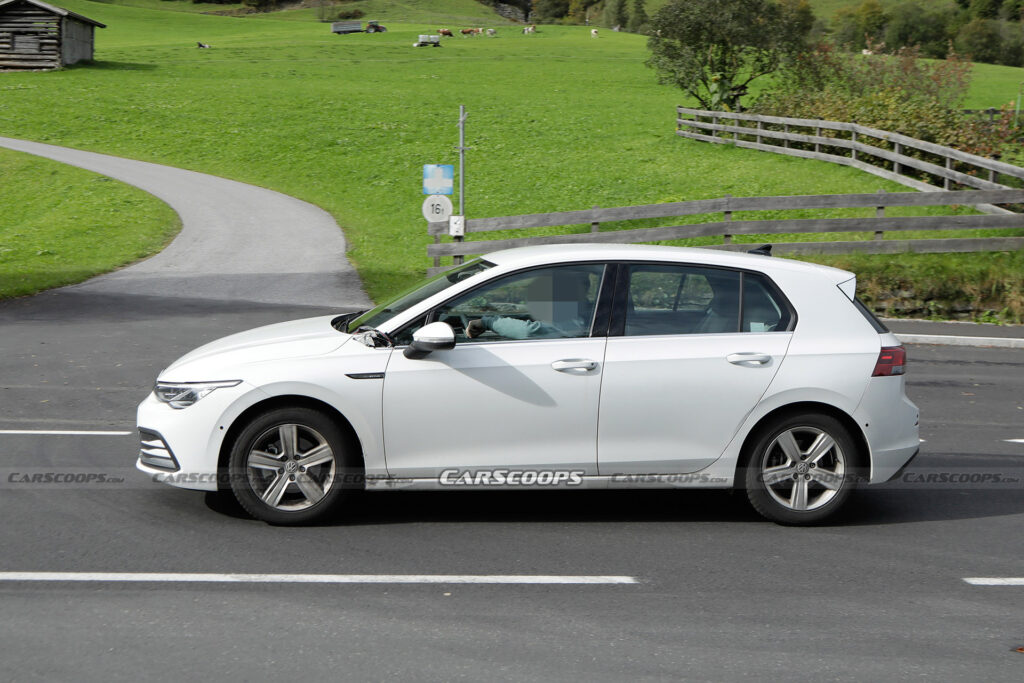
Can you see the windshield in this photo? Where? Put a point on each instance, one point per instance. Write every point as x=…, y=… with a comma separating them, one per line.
x=422, y=291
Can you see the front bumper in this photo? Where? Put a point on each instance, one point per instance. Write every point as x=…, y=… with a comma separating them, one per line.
x=191, y=437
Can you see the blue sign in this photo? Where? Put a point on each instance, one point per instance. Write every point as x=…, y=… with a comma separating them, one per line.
x=438, y=179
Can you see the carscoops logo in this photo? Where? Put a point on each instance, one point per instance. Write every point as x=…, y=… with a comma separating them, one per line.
x=511, y=478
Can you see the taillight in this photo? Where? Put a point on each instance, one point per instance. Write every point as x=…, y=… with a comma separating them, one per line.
x=892, y=360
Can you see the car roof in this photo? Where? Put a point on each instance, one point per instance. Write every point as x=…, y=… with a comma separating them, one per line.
x=536, y=255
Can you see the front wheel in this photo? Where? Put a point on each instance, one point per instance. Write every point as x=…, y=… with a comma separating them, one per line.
x=292, y=466
x=802, y=469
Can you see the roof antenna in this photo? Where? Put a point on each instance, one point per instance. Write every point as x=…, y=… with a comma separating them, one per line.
x=763, y=250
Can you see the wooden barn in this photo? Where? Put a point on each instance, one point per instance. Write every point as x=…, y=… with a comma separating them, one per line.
x=34, y=35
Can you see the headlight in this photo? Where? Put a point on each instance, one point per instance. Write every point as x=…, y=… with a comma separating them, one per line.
x=183, y=394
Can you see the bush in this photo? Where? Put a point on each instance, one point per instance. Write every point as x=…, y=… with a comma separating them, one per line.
x=900, y=93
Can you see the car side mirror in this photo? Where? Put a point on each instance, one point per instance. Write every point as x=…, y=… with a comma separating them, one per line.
x=433, y=337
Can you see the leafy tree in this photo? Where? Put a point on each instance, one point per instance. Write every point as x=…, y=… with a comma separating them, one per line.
x=638, y=19
x=912, y=24
x=548, y=10
x=713, y=49
x=985, y=9
x=616, y=13
x=981, y=39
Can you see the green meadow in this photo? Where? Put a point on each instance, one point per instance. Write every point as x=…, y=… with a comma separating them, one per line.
x=557, y=120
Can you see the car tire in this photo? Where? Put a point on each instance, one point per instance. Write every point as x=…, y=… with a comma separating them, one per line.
x=293, y=466
x=802, y=469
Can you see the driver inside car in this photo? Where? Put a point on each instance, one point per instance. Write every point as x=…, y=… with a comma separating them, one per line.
x=558, y=307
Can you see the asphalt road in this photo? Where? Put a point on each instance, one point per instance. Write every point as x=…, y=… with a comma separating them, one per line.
x=721, y=594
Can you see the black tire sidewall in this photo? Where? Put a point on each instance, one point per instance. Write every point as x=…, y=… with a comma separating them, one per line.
x=757, y=492
x=340, y=444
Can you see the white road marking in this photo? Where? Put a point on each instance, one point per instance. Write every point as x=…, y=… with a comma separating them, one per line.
x=1014, y=440
x=996, y=581
x=62, y=432
x=313, y=578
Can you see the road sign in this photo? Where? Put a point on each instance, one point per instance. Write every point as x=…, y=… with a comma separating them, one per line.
x=438, y=179
x=437, y=208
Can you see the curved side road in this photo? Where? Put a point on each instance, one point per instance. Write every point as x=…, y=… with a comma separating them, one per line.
x=238, y=242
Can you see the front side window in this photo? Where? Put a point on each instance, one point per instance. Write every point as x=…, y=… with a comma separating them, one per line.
x=545, y=303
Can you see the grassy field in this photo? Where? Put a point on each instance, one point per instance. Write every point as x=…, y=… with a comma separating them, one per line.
x=557, y=121
x=67, y=224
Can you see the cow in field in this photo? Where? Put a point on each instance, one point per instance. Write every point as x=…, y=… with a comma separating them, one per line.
x=491, y=33
x=444, y=32
x=593, y=33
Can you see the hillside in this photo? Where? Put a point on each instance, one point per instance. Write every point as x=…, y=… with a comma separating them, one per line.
x=557, y=120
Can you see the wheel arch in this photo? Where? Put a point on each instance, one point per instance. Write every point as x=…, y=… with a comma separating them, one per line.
x=803, y=408
x=282, y=401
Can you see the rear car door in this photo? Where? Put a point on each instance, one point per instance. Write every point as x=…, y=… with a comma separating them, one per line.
x=691, y=350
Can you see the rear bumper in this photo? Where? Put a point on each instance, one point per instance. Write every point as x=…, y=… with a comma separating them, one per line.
x=890, y=422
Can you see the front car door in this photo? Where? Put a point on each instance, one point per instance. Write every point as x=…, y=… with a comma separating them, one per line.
x=521, y=392
x=691, y=351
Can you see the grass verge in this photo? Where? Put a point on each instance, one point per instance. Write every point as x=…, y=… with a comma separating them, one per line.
x=68, y=224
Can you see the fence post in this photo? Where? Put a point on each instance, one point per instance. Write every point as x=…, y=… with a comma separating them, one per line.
x=785, y=129
x=437, y=259
x=880, y=213
x=727, y=238
x=853, y=150
x=759, y=132
x=949, y=166
x=817, y=134
x=991, y=175
x=595, y=226
x=736, y=134
x=897, y=168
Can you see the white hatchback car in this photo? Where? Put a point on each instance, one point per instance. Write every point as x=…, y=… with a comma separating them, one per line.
x=601, y=366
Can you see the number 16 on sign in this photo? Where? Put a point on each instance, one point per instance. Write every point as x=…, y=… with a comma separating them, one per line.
x=437, y=208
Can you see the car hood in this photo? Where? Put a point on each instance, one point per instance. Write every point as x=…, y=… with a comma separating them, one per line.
x=295, y=339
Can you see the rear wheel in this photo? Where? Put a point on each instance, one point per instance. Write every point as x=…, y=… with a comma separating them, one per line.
x=292, y=466
x=802, y=469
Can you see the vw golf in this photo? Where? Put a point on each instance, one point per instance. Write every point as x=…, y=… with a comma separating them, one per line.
x=600, y=366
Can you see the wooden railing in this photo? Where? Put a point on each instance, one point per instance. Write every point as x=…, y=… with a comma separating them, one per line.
x=930, y=167
x=726, y=228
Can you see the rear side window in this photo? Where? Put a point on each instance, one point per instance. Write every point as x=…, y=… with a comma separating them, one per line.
x=664, y=299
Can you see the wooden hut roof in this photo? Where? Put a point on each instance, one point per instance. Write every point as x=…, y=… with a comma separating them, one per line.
x=56, y=10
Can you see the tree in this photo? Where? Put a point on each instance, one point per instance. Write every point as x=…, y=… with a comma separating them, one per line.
x=616, y=13
x=981, y=40
x=713, y=49
x=638, y=18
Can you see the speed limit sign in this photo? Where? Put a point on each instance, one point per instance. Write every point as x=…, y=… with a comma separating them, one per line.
x=437, y=208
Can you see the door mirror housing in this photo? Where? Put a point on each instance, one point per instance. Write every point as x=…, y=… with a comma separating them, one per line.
x=433, y=337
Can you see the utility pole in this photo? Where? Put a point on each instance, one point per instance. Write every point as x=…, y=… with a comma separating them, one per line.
x=462, y=171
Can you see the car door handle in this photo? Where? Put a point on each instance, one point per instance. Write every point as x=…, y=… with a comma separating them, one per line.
x=748, y=357
x=571, y=364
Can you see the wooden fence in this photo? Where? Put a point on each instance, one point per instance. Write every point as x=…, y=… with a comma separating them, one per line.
x=727, y=227
x=929, y=167
x=932, y=168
